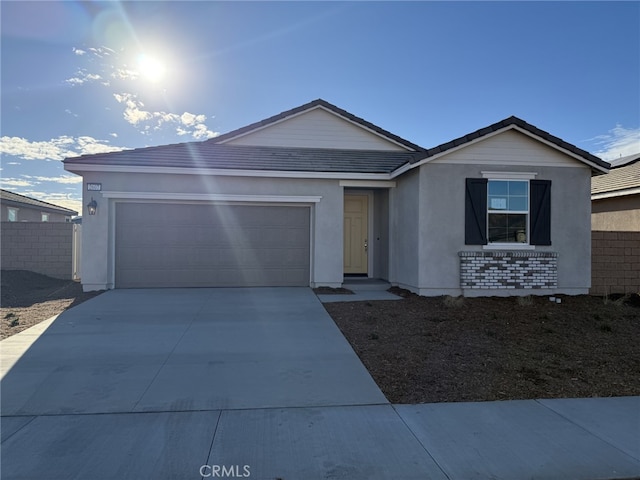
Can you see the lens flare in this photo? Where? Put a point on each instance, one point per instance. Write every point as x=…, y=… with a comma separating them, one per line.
x=151, y=68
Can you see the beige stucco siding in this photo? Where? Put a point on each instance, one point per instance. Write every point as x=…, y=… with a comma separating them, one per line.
x=620, y=214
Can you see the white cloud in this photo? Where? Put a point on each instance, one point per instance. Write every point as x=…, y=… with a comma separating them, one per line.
x=618, y=142
x=185, y=124
x=102, y=64
x=55, y=149
x=83, y=77
x=15, y=182
x=63, y=179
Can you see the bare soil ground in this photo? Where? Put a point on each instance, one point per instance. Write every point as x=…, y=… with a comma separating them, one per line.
x=28, y=298
x=446, y=349
x=441, y=349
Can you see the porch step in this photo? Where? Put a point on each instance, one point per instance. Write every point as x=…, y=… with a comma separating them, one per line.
x=361, y=284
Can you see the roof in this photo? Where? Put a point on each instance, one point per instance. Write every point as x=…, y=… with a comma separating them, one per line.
x=209, y=155
x=310, y=106
x=621, y=180
x=11, y=198
x=216, y=154
x=619, y=162
x=600, y=165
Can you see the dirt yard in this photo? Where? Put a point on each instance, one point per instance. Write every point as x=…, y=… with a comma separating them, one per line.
x=442, y=349
x=447, y=350
x=28, y=298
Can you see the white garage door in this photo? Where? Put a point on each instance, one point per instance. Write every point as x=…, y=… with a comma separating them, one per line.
x=189, y=245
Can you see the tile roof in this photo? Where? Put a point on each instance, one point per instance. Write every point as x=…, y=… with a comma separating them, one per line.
x=241, y=157
x=619, y=162
x=308, y=106
x=515, y=121
x=14, y=198
x=619, y=180
x=215, y=154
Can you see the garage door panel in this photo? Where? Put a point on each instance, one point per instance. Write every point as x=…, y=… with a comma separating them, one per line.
x=181, y=245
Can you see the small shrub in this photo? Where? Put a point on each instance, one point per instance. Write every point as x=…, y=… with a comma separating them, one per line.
x=453, y=302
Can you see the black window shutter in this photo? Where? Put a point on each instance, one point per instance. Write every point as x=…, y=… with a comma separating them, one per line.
x=540, y=192
x=475, y=212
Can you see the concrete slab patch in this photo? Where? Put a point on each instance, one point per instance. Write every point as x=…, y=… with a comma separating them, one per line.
x=512, y=440
x=359, y=296
x=159, y=446
x=615, y=420
x=253, y=381
x=354, y=443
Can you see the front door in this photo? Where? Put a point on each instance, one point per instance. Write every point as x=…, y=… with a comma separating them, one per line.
x=356, y=214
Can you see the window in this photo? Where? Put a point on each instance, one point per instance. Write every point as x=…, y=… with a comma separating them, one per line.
x=508, y=211
x=45, y=217
x=12, y=214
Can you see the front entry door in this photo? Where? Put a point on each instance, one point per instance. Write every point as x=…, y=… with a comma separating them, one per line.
x=355, y=234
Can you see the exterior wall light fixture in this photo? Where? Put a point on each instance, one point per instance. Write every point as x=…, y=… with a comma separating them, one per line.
x=92, y=206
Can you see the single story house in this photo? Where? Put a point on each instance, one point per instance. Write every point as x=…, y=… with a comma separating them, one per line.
x=314, y=194
x=19, y=208
x=615, y=197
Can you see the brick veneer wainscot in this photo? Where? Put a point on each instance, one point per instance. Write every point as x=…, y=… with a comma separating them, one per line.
x=508, y=270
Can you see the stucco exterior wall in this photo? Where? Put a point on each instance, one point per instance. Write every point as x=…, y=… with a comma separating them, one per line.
x=616, y=214
x=405, y=212
x=29, y=214
x=442, y=226
x=98, y=236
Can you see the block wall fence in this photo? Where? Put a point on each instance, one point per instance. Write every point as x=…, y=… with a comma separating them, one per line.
x=615, y=262
x=41, y=247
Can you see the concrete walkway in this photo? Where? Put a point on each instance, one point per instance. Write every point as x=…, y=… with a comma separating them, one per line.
x=259, y=383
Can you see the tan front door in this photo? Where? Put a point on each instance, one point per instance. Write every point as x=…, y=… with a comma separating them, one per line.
x=355, y=233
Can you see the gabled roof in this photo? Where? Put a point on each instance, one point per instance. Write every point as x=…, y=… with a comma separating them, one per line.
x=15, y=199
x=207, y=155
x=319, y=103
x=621, y=180
x=598, y=165
x=216, y=154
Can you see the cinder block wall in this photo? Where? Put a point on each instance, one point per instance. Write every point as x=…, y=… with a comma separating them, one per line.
x=41, y=247
x=615, y=262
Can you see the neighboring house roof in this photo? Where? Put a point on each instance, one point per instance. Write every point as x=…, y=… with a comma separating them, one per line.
x=621, y=180
x=319, y=103
x=15, y=199
x=216, y=154
x=597, y=164
x=619, y=162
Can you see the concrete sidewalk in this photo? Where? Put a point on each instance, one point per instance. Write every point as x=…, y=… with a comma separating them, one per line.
x=552, y=439
x=185, y=384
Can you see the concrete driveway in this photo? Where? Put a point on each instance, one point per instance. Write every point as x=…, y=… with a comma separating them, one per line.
x=189, y=350
x=260, y=384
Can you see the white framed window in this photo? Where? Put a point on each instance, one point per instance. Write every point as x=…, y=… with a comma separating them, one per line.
x=12, y=214
x=44, y=217
x=508, y=211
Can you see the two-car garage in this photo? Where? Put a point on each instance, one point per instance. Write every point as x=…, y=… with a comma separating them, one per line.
x=211, y=245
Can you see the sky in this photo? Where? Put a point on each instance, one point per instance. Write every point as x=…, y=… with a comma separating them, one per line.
x=91, y=77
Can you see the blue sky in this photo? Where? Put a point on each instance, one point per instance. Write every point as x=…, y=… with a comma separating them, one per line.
x=88, y=77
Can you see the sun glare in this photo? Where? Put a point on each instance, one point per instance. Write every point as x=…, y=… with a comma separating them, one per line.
x=152, y=68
